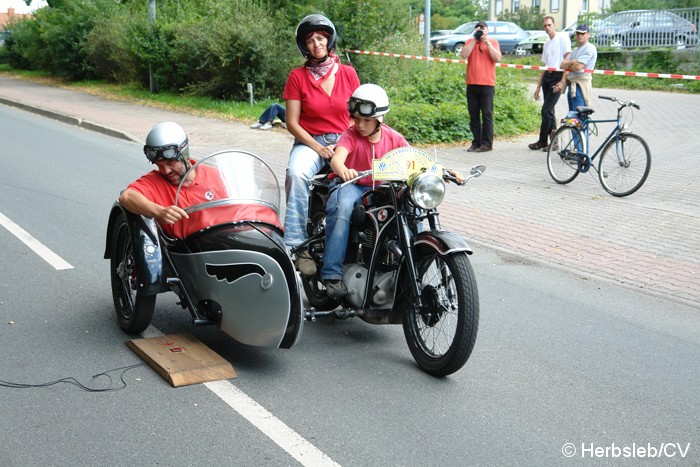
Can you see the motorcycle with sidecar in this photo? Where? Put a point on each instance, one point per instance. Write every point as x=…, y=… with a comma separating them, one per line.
x=230, y=267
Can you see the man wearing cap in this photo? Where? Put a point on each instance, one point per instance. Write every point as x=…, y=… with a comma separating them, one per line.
x=578, y=81
x=556, y=49
x=482, y=54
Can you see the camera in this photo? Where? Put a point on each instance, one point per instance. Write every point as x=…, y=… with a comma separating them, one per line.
x=478, y=33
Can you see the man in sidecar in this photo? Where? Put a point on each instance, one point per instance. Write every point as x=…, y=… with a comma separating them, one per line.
x=152, y=195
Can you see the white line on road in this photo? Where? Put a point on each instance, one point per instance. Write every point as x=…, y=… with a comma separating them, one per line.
x=300, y=449
x=35, y=245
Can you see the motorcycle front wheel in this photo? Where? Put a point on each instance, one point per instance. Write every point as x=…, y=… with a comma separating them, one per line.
x=134, y=310
x=442, y=334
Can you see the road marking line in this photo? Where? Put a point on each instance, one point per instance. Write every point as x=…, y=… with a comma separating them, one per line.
x=299, y=448
x=35, y=245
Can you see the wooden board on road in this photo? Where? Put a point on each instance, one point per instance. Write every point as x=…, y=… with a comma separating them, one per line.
x=181, y=359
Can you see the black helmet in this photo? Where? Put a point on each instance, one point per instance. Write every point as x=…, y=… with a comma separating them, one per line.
x=315, y=23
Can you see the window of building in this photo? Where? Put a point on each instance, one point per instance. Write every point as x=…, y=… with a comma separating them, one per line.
x=499, y=7
x=516, y=5
x=584, y=5
x=555, y=6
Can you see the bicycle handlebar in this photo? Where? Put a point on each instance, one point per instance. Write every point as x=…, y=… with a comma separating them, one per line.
x=622, y=103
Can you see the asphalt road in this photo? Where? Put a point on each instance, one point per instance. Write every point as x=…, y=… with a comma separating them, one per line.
x=561, y=358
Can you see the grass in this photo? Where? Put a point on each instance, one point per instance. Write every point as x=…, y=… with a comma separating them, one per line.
x=201, y=106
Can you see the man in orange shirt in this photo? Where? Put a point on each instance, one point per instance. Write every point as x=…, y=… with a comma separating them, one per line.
x=482, y=55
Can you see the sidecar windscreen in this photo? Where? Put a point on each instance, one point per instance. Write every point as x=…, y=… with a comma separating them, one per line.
x=229, y=187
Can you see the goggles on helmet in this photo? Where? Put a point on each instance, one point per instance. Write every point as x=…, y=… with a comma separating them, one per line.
x=363, y=108
x=168, y=152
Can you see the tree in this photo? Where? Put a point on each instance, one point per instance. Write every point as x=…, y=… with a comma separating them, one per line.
x=526, y=18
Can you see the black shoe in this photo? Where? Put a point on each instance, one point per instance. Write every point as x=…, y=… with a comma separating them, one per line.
x=484, y=149
x=335, y=288
x=472, y=148
x=536, y=146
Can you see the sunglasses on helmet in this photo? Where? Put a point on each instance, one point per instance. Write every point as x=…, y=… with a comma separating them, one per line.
x=169, y=152
x=363, y=108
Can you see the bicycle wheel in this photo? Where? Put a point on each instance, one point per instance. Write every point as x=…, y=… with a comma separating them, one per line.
x=562, y=156
x=624, y=164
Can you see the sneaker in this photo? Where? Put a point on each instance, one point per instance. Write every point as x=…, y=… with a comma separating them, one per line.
x=256, y=125
x=335, y=288
x=266, y=126
x=304, y=263
x=284, y=125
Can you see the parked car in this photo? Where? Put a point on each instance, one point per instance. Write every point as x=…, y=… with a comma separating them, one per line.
x=506, y=33
x=532, y=44
x=441, y=32
x=644, y=28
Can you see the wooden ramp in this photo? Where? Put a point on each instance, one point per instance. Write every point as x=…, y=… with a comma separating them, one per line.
x=182, y=359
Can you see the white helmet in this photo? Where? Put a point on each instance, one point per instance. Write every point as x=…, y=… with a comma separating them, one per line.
x=369, y=100
x=167, y=141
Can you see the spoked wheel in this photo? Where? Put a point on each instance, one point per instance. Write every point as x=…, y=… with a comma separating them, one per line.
x=134, y=310
x=562, y=155
x=313, y=288
x=441, y=336
x=624, y=165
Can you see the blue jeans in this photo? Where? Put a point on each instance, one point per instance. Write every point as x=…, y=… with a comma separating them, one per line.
x=272, y=112
x=341, y=202
x=574, y=102
x=303, y=164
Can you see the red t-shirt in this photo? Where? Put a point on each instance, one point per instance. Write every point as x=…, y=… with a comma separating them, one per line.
x=321, y=113
x=360, y=149
x=481, y=69
x=206, y=186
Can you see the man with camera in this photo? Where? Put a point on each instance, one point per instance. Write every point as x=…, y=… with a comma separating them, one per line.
x=482, y=54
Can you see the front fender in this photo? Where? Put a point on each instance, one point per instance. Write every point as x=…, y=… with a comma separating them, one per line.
x=442, y=241
x=148, y=256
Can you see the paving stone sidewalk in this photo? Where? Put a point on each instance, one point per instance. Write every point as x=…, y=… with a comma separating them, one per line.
x=650, y=240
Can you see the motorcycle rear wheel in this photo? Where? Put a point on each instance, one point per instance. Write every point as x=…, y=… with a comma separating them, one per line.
x=134, y=310
x=441, y=336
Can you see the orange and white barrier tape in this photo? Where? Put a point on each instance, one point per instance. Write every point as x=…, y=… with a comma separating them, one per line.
x=530, y=67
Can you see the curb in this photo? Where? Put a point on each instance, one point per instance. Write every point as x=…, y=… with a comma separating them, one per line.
x=70, y=120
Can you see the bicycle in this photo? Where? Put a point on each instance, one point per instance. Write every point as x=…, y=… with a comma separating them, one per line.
x=625, y=159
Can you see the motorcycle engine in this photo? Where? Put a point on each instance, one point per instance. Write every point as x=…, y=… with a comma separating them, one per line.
x=355, y=279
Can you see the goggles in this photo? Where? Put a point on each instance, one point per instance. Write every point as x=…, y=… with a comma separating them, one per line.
x=364, y=108
x=169, y=152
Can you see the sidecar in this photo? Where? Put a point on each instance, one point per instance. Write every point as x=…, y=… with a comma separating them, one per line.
x=227, y=263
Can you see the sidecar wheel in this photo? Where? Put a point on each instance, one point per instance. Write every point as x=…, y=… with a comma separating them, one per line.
x=134, y=310
x=442, y=335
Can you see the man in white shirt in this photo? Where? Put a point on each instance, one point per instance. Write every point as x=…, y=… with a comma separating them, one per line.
x=551, y=82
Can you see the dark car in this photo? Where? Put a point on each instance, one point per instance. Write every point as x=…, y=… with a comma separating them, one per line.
x=644, y=28
x=506, y=33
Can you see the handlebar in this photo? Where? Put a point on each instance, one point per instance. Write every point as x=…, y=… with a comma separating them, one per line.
x=621, y=102
x=360, y=175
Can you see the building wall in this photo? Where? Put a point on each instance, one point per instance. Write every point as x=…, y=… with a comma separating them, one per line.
x=564, y=12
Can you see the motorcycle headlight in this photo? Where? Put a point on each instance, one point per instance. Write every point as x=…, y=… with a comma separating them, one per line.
x=427, y=191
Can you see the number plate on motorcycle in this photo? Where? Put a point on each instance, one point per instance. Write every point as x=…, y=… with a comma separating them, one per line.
x=401, y=163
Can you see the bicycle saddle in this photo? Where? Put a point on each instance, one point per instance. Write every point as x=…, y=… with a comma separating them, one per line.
x=585, y=112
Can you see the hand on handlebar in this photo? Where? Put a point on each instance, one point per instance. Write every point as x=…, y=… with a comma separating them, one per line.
x=171, y=215
x=452, y=175
x=347, y=174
